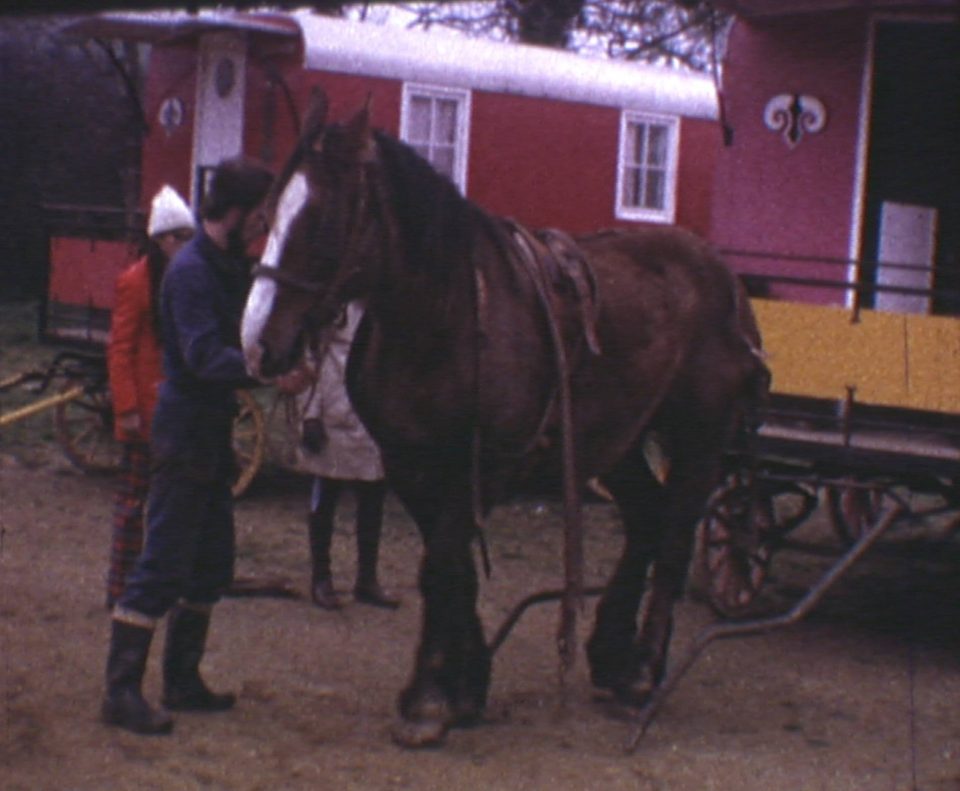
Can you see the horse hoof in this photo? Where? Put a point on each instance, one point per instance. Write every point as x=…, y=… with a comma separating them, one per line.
x=635, y=695
x=419, y=734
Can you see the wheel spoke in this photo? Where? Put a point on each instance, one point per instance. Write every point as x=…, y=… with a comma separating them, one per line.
x=733, y=551
x=84, y=430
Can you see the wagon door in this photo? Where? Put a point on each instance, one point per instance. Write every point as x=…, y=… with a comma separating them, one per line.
x=221, y=77
x=912, y=220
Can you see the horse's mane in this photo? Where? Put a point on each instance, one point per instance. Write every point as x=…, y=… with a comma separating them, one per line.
x=438, y=225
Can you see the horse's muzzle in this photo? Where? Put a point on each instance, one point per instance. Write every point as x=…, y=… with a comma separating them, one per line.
x=272, y=365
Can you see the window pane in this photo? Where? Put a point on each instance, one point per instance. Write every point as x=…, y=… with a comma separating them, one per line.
x=435, y=126
x=654, y=197
x=631, y=186
x=658, y=145
x=419, y=120
x=442, y=160
x=446, y=122
x=637, y=139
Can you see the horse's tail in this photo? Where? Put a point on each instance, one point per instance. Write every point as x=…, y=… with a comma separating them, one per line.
x=756, y=375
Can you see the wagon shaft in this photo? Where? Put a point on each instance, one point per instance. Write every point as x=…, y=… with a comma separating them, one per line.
x=41, y=406
x=800, y=610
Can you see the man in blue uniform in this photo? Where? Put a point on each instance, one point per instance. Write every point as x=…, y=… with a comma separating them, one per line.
x=187, y=560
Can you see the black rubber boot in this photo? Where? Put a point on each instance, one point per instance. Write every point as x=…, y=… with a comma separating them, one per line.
x=183, y=688
x=370, y=496
x=320, y=526
x=124, y=705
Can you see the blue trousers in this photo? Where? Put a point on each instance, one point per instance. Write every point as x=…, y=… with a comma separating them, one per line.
x=189, y=548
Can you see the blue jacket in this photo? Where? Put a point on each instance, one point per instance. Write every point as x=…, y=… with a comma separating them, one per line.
x=201, y=305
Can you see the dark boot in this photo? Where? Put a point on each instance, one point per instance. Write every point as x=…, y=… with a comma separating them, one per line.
x=320, y=527
x=183, y=688
x=324, y=596
x=124, y=705
x=370, y=496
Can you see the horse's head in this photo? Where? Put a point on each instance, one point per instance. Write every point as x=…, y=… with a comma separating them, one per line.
x=323, y=244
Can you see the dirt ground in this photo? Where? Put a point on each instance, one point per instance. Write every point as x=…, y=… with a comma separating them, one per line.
x=863, y=695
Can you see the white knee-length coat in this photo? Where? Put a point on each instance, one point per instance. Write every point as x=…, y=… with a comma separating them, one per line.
x=349, y=452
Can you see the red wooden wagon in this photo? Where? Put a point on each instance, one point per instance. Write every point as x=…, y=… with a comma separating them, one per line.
x=838, y=198
x=547, y=137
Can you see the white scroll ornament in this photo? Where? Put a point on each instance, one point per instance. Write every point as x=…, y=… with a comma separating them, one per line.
x=794, y=115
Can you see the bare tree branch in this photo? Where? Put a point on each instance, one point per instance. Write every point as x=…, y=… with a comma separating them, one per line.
x=664, y=31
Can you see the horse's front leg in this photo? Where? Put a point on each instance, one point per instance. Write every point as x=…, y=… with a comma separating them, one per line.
x=452, y=671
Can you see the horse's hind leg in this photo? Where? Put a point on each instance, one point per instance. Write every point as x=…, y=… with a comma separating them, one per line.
x=611, y=649
x=660, y=522
x=689, y=485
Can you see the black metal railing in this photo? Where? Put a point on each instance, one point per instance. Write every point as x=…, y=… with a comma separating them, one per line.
x=836, y=276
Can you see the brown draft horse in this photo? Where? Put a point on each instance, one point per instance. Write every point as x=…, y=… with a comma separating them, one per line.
x=454, y=373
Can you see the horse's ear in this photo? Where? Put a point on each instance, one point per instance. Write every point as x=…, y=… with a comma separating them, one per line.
x=315, y=117
x=359, y=132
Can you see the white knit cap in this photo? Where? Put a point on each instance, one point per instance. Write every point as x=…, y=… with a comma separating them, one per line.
x=168, y=212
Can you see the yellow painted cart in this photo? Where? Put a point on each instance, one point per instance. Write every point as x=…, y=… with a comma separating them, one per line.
x=865, y=412
x=864, y=417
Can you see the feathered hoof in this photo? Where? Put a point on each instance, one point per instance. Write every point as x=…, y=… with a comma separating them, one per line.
x=420, y=734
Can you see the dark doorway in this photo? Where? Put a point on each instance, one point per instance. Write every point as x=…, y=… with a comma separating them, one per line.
x=914, y=150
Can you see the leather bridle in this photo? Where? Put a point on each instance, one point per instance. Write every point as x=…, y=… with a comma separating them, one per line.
x=328, y=296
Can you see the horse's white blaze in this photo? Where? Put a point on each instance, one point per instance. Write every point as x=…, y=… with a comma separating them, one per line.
x=260, y=301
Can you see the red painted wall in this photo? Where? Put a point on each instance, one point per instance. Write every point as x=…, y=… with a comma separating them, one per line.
x=773, y=199
x=166, y=155
x=545, y=163
x=699, y=146
x=84, y=271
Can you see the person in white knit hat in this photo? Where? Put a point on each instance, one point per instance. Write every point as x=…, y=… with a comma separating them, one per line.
x=168, y=215
x=134, y=364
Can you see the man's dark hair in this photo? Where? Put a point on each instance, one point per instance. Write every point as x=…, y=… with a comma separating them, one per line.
x=235, y=184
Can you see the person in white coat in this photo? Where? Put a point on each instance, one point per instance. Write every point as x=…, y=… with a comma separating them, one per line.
x=337, y=450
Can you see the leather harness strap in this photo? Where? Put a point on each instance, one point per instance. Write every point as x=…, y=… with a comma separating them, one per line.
x=555, y=255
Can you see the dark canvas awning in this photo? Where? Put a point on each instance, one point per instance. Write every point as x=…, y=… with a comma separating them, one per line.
x=75, y=8
x=170, y=26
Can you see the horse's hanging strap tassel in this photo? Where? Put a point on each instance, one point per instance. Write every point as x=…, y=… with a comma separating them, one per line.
x=478, y=504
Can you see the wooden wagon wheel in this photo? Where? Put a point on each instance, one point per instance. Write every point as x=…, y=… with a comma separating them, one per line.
x=853, y=510
x=84, y=429
x=731, y=557
x=249, y=441
x=746, y=521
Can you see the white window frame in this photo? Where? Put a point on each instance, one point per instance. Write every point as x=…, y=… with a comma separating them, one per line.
x=666, y=214
x=461, y=145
